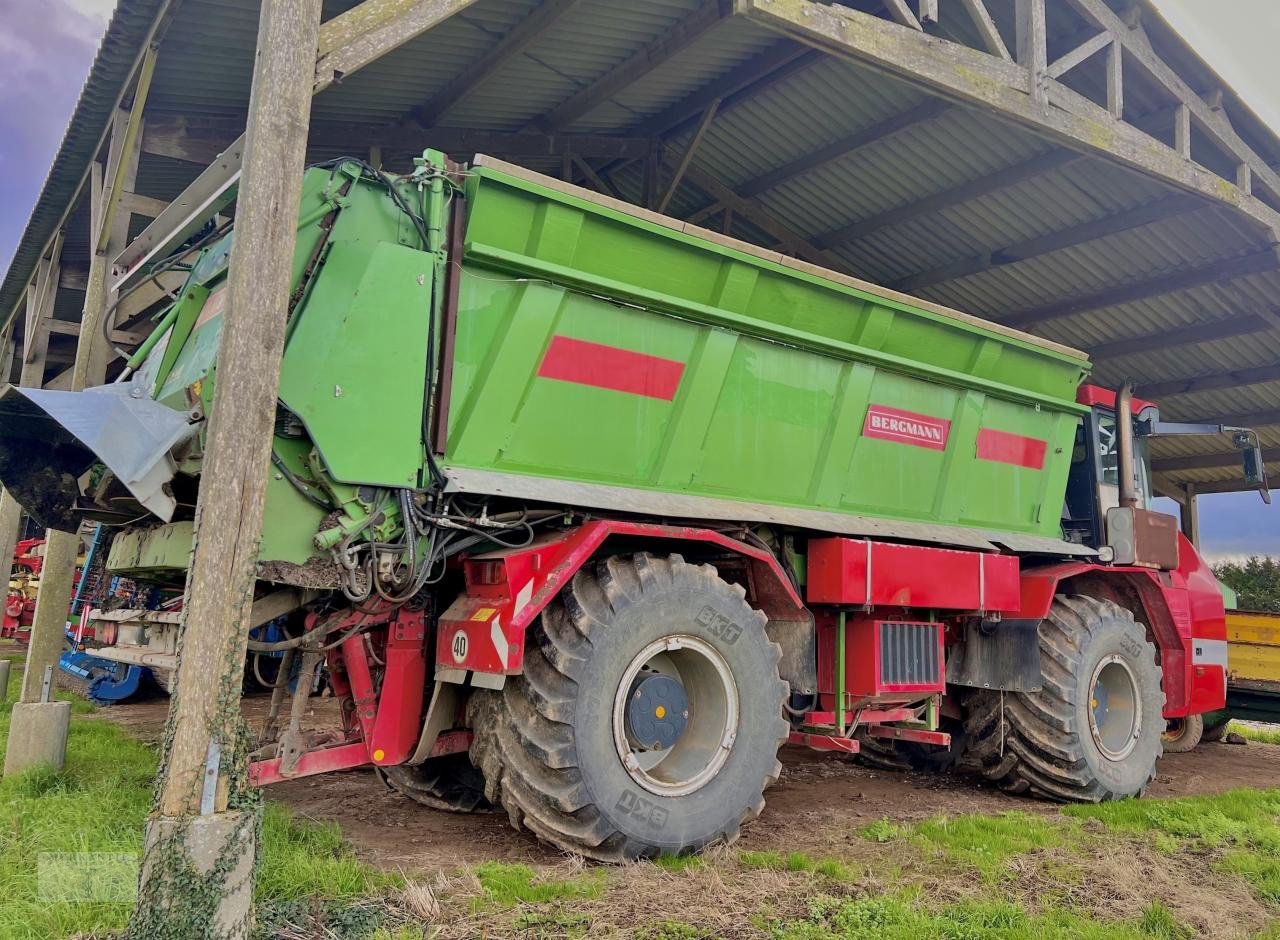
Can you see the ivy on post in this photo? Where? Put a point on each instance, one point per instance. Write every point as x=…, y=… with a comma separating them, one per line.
x=197, y=869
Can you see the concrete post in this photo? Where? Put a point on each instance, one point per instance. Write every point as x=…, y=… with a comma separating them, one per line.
x=37, y=734
x=4, y=679
x=198, y=794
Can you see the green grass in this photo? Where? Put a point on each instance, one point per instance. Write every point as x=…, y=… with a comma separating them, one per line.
x=903, y=917
x=678, y=863
x=798, y=862
x=1239, y=830
x=1267, y=735
x=985, y=842
x=511, y=885
x=988, y=842
x=882, y=830
x=98, y=804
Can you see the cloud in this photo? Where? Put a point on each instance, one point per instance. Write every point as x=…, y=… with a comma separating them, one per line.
x=47, y=48
x=99, y=10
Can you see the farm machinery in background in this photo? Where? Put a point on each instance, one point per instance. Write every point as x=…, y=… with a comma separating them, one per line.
x=24, y=583
x=1253, y=680
x=101, y=681
x=586, y=512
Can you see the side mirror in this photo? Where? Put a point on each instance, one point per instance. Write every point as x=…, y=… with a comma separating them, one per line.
x=1255, y=470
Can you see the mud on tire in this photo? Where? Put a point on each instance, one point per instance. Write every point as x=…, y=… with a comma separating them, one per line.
x=1043, y=742
x=547, y=746
x=449, y=783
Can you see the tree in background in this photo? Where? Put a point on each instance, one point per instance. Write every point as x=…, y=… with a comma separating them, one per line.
x=1256, y=581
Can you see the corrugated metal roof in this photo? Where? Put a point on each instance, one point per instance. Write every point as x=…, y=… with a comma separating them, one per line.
x=204, y=70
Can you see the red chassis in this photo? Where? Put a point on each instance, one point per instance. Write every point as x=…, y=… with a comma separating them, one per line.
x=483, y=631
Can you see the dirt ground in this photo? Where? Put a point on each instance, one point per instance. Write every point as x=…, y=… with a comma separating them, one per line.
x=815, y=808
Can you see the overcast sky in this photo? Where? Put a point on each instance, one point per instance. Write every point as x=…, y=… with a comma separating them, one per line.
x=47, y=46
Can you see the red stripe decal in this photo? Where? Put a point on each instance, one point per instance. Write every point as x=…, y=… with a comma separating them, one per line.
x=1004, y=447
x=621, y=370
x=906, y=427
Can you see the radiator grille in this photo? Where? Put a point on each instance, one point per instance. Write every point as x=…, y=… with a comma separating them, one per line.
x=909, y=654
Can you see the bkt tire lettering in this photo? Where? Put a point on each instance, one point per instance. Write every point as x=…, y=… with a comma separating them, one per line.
x=719, y=625
x=634, y=805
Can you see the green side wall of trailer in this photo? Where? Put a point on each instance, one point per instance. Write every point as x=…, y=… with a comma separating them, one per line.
x=772, y=366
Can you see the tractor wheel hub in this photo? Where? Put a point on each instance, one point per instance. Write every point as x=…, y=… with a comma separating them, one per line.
x=657, y=712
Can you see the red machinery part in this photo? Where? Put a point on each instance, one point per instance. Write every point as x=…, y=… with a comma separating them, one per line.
x=884, y=574
x=382, y=724
x=484, y=629
x=1182, y=609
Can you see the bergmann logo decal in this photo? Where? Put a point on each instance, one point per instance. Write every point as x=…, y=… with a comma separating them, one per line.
x=906, y=427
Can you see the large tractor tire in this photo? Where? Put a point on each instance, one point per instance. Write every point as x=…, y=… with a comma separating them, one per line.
x=1216, y=729
x=1182, y=734
x=449, y=783
x=647, y=719
x=1093, y=731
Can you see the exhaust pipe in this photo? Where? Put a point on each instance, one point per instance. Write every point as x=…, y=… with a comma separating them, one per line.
x=1124, y=446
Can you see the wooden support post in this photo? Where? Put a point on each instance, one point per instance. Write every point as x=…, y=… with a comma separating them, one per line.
x=1115, y=80
x=598, y=180
x=35, y=346
x=652, y=168
x=234, y=476
x=987, y=29
x=1182, y=131
x=1244, y=178
x=1033, y=48
x=44, y=648
x=901, y=13
x=1189, y=510
x=206, y=728
x=109, y=229
x=686, y=158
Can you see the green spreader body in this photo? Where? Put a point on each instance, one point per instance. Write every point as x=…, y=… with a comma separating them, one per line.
x=556, y=347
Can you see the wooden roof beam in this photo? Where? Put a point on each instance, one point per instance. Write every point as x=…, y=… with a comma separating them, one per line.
x=668, y=45
x=1003, y=88
x=1245, y=419
x=902, y=14
x=1184, y=336
x=1157, y=286
x=511, y=45
x=1213, y=121
x=949, y=198
x=988, y=32
x=778, y=62
x=371, y=29
x=1083, y=233
x=750, y=210
x=846, y=146
x=1233, y=378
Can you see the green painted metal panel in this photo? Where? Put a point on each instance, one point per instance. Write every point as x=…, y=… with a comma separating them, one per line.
x=155, y=553
x=596, y=346
x=357, y=379
x=780, y=373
